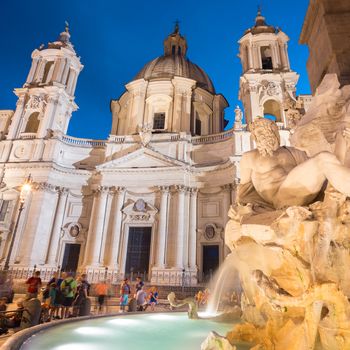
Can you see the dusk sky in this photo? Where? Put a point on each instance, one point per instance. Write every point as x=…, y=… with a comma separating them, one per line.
x=115, y=39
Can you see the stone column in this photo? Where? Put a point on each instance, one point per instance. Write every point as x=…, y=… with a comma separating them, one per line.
x=105, y=240
x=192, y=237
x=14, y=128
x=57, y=226
x=65, y=72
x=256, y=63
x=71, y=79
x=186, y=111
x=94, y=239
x=50, y=209
x=177, y=113
x=41, y=210
x=136, y=110
x=162, y=227
x=180, y=227
x=259, y=58
x=47, y=117
x=186, y=227
x=116, y=227
x=286, y=54
x=250, y=58
x=32, y=70
x=283, y=56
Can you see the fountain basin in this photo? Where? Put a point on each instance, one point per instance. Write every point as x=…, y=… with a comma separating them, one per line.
x=127, y=331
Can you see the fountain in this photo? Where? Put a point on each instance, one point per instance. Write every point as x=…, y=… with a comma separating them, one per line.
x=289, y=233
x=289, y=236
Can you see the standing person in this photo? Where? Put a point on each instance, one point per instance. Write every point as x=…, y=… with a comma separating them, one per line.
x=59, y=295
x=124, y=294
x=54, y=306
x=139, y=284
x=82, y=295
x=101, y=290
x=153, y=297
x=141, y=300
x=46, y=292
x=34, y=284
x=68, y=289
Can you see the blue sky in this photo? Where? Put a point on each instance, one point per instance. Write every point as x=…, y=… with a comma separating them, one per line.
x=115, y=39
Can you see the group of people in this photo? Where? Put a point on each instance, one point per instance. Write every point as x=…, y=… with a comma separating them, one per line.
x=63, y=296
x=140, y=300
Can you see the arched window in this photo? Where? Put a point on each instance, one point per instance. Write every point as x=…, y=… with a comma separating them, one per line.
x=47, y=71
x=33, y=123
x=266, y=57
x=272, y=110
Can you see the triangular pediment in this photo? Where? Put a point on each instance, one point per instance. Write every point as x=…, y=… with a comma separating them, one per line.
x=140, y=159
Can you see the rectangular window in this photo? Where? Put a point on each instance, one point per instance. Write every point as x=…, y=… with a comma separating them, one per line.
x=3, y=209
x=198, y=127
x=159, y=121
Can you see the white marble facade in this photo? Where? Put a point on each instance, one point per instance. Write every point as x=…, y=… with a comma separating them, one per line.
x=168, y=168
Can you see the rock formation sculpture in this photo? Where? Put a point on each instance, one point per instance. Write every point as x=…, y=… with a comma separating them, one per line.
x=289, y=231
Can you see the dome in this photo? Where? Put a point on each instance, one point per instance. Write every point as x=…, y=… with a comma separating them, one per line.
x=169, y=66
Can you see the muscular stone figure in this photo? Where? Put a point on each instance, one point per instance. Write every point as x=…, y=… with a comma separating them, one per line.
x=277, y=177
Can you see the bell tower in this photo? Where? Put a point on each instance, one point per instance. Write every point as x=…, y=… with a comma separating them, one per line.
x=46, y=101
x=267, y=79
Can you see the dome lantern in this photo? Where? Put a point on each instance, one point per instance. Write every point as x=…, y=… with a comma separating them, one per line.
x=175, y=43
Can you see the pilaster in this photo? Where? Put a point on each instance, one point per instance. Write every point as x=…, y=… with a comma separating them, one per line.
x=52, y=254
x=119, y=195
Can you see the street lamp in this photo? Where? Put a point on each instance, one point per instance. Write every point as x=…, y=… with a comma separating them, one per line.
x=25, y=190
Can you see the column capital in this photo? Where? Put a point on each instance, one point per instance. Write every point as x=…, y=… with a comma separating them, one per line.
x=102, y=190
x=20, y=100
x=52, y=100
x=163, y=189
x=228, y=187
x=44, y=186
x=180, y=188
x=62, y=190
x=193, y=191
x=117, y=189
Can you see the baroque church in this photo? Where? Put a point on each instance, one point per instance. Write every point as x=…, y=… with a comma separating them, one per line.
x=153, y=198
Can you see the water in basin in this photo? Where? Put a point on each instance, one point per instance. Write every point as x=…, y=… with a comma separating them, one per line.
x=157, y=331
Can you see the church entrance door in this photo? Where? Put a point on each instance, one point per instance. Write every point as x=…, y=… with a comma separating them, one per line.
x=210, y=261
x=138, y=253
x=70, y=257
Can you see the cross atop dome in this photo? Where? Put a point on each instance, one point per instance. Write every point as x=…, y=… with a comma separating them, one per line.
x=177, y=27
x=260, y=25
x=175, y=43
x=259, y=19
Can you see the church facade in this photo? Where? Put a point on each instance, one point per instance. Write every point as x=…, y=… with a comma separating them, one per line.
x=153, y=198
